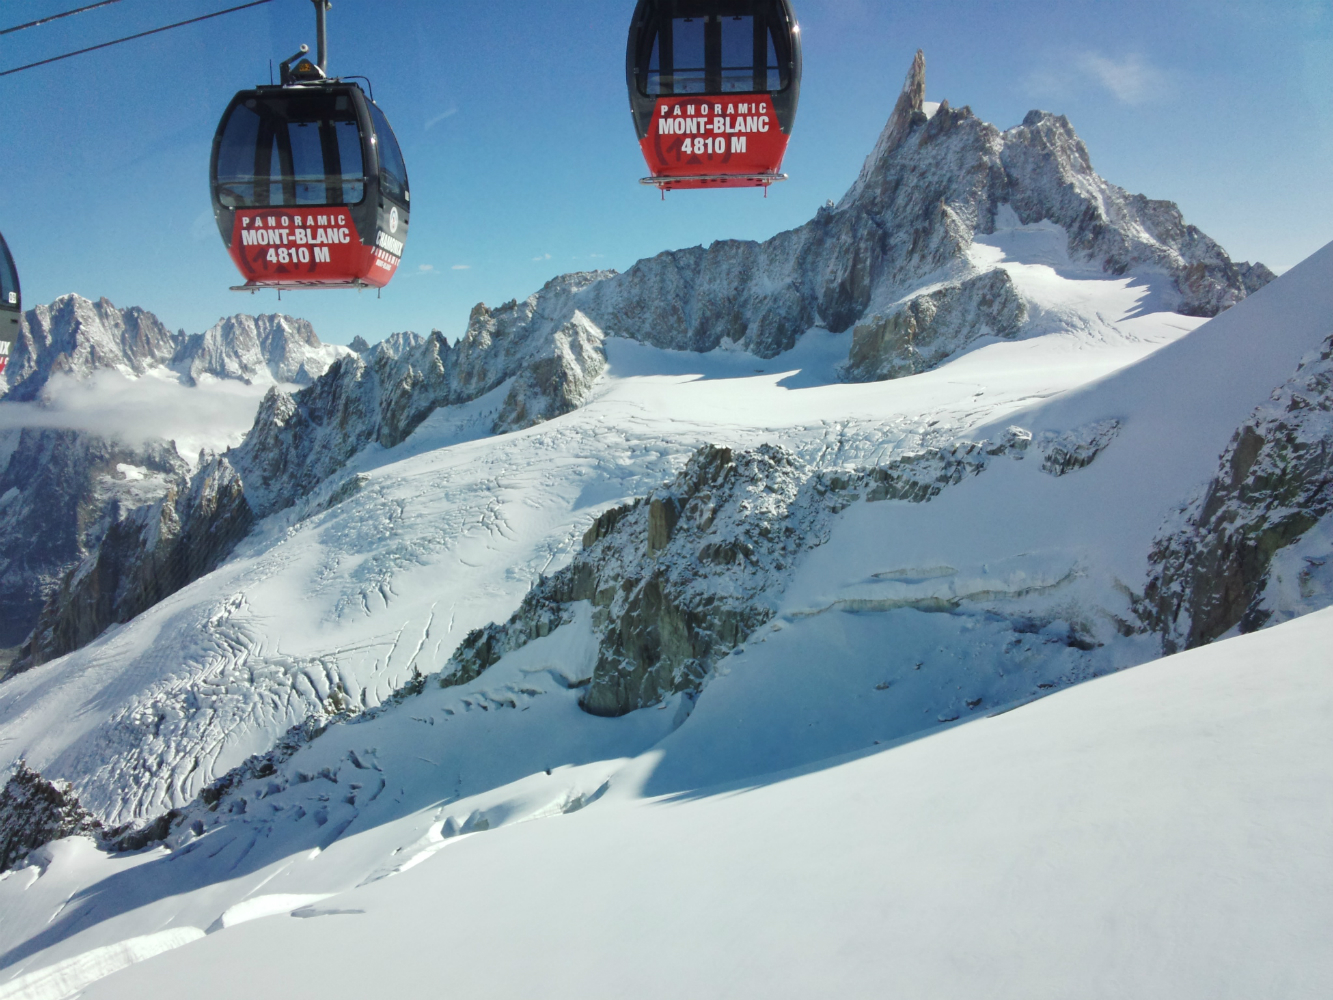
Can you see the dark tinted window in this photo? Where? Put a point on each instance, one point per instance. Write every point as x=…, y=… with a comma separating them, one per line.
x=290, y=150
x=9, y=279
x=393, y=171
x=742, y=49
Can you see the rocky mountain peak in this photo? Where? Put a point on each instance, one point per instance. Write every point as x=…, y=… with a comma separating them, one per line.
x=76, y=336
x=911, y=102
x=256, y=348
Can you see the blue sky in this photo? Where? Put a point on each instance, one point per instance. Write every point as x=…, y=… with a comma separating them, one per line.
x=514, y=122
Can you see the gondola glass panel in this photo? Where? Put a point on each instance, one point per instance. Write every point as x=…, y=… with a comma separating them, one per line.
x=393, y=171
x=288, y=151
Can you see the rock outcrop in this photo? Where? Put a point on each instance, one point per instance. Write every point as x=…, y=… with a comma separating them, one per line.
x=1274, y=485
x=931, y=327
x=59, y=492
x=681, y=577
x=256, y=348
x=34, y=812
x=147, y=555
x=75, y=336
x=383, y=394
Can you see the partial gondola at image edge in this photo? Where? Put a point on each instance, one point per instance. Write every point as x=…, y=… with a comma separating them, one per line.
x=11, y=304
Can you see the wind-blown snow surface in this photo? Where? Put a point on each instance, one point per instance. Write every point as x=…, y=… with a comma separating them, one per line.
x=1158, y=833
x=329, y=607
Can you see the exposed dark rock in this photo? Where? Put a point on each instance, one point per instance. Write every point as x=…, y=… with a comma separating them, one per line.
x=1076, y=449
x=679, y=579
x=248, y=348
x=34, y=811
x=148, y=555
x=1274, y=484
x=558, y=383
x=59, y=492
x=929, y=328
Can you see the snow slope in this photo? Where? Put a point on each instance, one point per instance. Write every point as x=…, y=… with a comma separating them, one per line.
x=449, y=529
x=1157, y=833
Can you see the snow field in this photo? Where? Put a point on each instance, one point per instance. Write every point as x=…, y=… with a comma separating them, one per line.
x=1157, y=833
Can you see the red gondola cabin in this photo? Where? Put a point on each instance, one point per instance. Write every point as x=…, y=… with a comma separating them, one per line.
x=309, y=187
x=713, y=88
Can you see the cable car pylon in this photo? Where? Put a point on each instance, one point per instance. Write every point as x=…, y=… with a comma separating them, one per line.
x=308, y=182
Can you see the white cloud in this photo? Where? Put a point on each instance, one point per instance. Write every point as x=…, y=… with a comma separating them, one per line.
x=1130, y=79
x=215, y=414
x=425, y=268
x=545, y=256
x=461, y=267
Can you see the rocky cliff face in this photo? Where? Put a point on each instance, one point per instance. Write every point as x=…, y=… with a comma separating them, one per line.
x=34, y=811
x=1215, y=569
x=145, y=556
x=75, y=336
x=256, y=348
x=59, y=492
x=384, y=393
x=681, y=577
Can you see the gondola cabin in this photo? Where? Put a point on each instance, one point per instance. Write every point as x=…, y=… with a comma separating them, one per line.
x=309, y=187
x=11, y=304
x=713, y=89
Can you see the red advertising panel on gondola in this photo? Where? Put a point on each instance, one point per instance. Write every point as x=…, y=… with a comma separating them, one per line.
x=716, y=142
x=4, y=354
x=316, y=246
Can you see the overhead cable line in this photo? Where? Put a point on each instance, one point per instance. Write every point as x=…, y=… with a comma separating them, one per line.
x=130, y=38
x=56, y=17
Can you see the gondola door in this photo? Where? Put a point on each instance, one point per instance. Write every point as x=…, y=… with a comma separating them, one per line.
x=11, y=304
x=714, y=86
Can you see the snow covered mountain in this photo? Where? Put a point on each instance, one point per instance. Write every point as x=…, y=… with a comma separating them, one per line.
x=95, y=425
x=76, y=337
x=645, y=538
